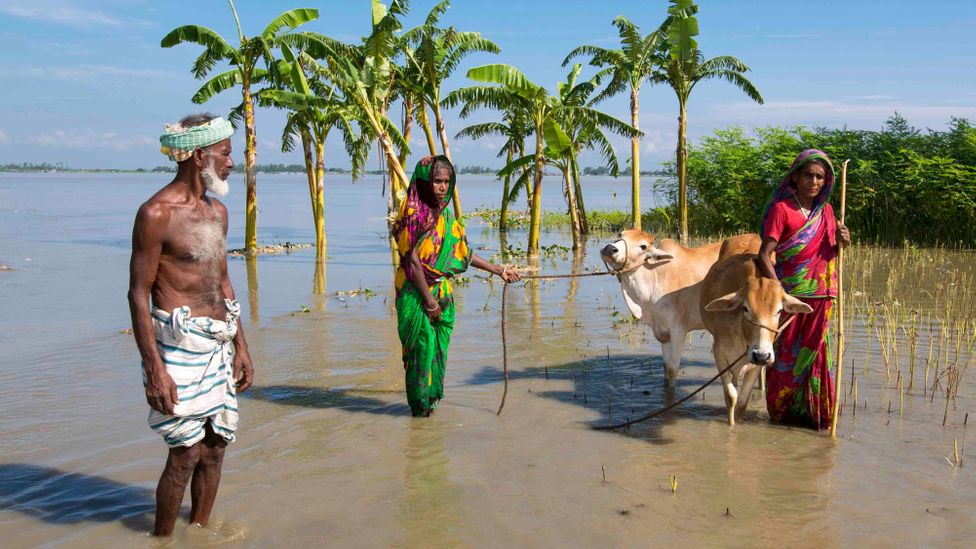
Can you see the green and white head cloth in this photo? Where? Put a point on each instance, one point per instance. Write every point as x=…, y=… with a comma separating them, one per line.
x=178, y=141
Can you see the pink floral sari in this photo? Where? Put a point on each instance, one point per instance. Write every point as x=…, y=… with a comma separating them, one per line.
x=800, y=386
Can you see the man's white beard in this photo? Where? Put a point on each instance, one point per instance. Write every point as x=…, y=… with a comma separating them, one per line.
x=214, y=183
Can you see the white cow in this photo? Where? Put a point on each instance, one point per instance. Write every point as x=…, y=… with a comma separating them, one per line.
x=663, y=290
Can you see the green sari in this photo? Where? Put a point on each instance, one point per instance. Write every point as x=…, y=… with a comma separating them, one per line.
x=443, y=252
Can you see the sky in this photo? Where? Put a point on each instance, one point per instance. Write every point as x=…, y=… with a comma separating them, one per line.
x=85, y=83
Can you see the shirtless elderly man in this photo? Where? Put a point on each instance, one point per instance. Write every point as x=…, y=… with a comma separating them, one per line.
x=194, y=356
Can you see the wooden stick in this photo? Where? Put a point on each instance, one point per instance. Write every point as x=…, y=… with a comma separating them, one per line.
x=840, y=303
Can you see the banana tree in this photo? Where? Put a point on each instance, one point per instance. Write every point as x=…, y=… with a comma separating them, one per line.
x=544, y=111
x=244, y=60
x=584, y=133
x=364, y=75
x=684, y=67
x=514, y=127
x=437, y=53
x=316, y=110
x=629, y=66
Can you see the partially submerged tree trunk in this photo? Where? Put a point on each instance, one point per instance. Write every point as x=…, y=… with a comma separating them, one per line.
x=682, y=181
x=319, y=207
x=571, y=206
x=635, y=161
x=581, y=208
x=503, y=215
x=250, y=175
x=536, y=210
x=528, y=188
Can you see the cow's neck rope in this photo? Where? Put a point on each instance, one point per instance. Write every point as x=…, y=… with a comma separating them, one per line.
x=673, y=405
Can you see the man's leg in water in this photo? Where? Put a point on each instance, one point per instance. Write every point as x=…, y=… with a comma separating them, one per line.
x=180, y=464
x=206, y=477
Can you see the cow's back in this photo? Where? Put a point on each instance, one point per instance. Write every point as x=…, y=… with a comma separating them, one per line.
x=740, y=244
x=728, y=275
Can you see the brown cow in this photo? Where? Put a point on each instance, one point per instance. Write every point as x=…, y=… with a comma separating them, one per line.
x=741, y=309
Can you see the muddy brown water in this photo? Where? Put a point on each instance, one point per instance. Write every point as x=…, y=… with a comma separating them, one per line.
x=327, y=452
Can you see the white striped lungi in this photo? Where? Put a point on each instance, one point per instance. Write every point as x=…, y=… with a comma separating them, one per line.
x=198, y=353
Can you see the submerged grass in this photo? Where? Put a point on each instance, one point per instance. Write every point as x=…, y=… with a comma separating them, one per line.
x=599, y=221
x=919, y=304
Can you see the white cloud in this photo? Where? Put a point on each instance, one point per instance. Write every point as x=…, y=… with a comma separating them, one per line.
x=89, y=139
x=82, y=72
x=64, y=12
x=870, y=97
x=800, y=111
x=4, y=139
x=794, y=36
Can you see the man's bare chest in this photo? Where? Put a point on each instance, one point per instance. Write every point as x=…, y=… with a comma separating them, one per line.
x=194, y=238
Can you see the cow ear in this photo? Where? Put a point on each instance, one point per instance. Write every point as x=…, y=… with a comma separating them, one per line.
x=726, y=303
x=795, y=306
x=656, y=254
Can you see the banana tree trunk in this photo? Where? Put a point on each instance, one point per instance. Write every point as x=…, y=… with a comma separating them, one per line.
x=309, y=168
x=424, y=122
x=442, y=133
x=528, y=188
x=580, y=207
x=682, y=181
x=319, y=208
x=536, y=210
x=250, y=175
x=571, y=204
x=635, y=160
x=503, y=216
x=391, y=157
x=407, y=128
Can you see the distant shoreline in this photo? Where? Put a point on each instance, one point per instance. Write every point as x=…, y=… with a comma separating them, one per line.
x=270, y=169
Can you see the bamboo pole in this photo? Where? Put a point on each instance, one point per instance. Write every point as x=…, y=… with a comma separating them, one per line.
x=840, y=303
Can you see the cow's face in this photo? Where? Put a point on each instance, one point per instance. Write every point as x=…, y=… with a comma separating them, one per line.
x=632, y=248
x=760, y=303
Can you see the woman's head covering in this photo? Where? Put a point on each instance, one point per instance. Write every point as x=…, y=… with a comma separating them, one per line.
x=785, y=190
x=420, y=194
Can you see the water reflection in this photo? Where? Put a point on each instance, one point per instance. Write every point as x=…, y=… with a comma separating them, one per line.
x=318, y=284
x=575, y=268
x=432, y=513
x=252, y=286
x=533, y=288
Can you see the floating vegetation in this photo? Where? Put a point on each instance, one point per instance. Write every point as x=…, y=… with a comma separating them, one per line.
x=271, y=249
x=368, y=292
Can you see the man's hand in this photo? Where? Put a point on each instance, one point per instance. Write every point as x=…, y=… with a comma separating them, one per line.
x=161, y=393
x=243, y=371
x=843, y=235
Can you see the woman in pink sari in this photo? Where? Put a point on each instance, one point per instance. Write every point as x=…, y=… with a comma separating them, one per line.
x=800, y=227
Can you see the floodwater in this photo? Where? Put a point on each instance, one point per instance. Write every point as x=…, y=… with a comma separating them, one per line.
x=328, y=454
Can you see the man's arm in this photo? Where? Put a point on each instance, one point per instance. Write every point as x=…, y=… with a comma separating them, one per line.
x=243, y=368
x=147, y=245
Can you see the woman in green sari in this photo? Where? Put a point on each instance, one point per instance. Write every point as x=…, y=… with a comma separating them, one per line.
x=432, y=249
